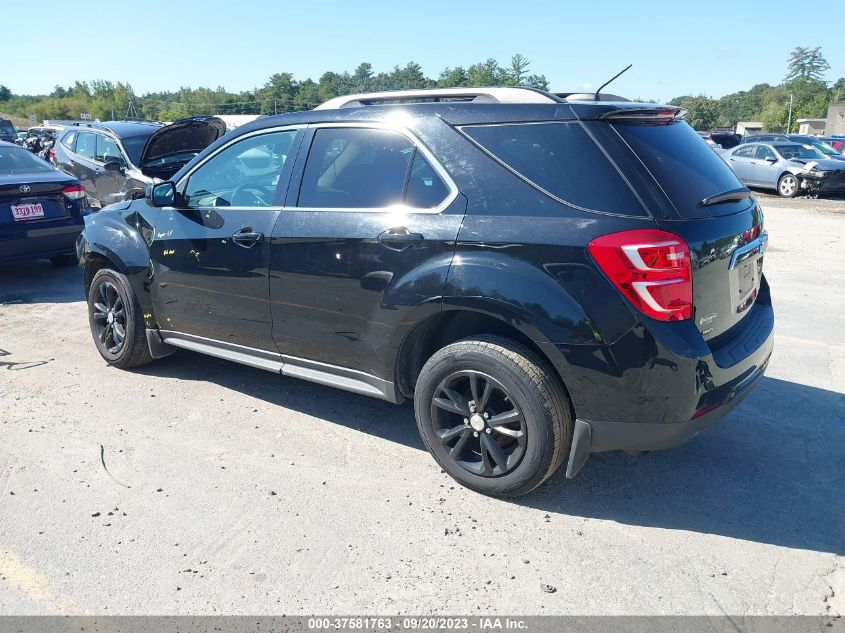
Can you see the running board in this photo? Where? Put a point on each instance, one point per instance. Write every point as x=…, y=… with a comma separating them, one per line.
x=313, y=371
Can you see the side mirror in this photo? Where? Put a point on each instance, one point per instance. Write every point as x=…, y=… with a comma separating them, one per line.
x=771, y=160
x=162, y=194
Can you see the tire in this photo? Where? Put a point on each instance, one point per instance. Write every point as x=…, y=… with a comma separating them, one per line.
x=788, y=186
x=521, y=388
x=62, y=261
x=111, y=290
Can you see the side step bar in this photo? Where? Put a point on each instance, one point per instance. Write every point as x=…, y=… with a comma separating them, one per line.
x=163, y=342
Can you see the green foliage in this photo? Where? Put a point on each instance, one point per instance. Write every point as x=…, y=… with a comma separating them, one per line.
x=702, y=111
x=284, y=93
x=806, y=63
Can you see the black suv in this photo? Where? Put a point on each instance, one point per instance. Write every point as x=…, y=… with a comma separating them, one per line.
x=546, y=279
x=116, y=160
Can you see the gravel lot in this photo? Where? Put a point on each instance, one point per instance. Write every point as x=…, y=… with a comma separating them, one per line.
x=197, y=486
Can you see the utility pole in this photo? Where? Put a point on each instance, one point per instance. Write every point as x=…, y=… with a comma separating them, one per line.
x=789, y=120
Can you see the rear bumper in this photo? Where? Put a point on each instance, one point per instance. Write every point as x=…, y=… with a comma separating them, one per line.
x=664, y=384
x=36, y=241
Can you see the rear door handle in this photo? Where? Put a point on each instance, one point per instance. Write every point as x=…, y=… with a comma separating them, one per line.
x=399, y=237
x=247, y=238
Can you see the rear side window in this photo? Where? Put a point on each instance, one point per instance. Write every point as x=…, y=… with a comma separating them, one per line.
x=563, y=161
x=746, y=151
x=356, y=168
x=684, y=166
x=67, y=140
x=86, y=145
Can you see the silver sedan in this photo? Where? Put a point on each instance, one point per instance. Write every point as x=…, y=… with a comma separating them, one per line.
x=789, y=168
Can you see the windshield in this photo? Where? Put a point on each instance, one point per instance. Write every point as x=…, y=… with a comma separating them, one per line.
x=134, y=145
x=791, y=152
x=16, y=160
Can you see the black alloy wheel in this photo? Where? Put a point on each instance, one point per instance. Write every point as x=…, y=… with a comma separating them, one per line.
x=478, y=422
x=110, y=317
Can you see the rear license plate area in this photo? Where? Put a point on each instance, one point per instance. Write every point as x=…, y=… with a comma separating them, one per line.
x=27, y=211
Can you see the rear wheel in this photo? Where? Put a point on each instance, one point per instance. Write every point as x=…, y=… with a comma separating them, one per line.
x=788, y=186
x=493, y=415
x=65, y=260
x=117, y=325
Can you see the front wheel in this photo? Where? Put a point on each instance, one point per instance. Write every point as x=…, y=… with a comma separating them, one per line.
x=493, y=415
x=788, y=186
x=116, y=320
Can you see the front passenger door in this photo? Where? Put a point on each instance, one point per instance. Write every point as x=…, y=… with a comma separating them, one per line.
x=210, y=253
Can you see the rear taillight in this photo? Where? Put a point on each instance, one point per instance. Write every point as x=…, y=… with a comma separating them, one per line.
x=74, y=192
x=52, y=153
x=651, y=268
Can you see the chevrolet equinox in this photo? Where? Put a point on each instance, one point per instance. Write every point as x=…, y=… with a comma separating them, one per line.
x=545, y=277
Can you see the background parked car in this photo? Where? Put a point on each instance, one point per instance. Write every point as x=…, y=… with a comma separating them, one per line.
x=790, y=168
x=7, y=131
x=819, y=143
x=41, y=208
x=116, y=160
x=725, y=140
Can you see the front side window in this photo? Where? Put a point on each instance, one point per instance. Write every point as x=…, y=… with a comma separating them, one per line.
x=107, y=150
x=86, y=145
x=245, y=174
x=764, y=152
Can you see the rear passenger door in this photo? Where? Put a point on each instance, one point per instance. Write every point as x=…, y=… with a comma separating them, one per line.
x=83, y=165
x=366, y=236
x=742, y=162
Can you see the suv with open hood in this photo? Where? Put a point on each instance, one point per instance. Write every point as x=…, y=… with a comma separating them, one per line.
x=545, y=277
x=116, y=160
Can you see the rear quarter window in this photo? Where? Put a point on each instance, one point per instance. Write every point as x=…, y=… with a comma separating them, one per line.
x=562, y=160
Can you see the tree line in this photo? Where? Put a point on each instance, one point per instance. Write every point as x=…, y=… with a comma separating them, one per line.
x=284, y=93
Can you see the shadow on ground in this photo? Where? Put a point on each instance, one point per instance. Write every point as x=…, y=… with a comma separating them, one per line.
x=40, y=282
x=773, y=471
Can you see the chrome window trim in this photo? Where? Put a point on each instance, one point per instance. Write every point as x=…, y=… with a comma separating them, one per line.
x=418, y=145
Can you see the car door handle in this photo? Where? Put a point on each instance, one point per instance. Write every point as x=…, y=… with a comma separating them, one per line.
x=399, y=237
x=247, y=238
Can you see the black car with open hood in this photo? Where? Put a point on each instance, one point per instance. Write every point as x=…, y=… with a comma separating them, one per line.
x=172, y=146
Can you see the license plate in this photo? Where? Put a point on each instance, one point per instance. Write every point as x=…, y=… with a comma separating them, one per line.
x=27, y=211
x=747, y=283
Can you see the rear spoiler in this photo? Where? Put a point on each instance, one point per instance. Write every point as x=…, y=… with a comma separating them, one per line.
x=656, y=113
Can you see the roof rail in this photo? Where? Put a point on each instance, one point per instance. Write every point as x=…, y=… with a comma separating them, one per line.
x=513, y=94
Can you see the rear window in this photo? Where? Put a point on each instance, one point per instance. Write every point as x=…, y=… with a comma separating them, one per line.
x=7, y=128
x=16, y=160
x=684, y=166
x=563, y=161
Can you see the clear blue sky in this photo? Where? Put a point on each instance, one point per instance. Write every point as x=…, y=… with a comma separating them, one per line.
x=694, y=46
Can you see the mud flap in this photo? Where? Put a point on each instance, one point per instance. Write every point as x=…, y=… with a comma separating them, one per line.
x=580, y=450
